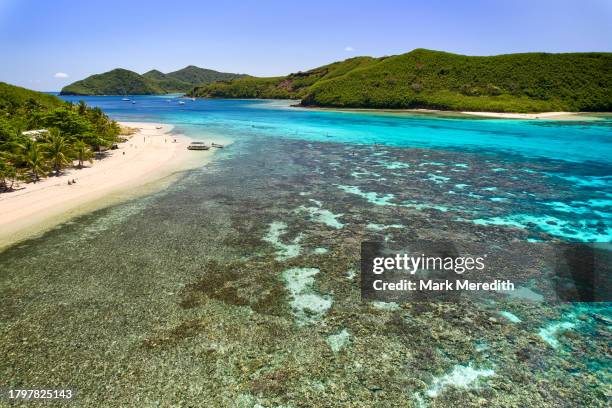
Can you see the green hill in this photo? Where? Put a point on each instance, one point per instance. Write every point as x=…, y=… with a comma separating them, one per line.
x=22, y=109
x=123, y=82
x=195, y=75
x=13, y=98
x=531, y=82
x=155, y=75
x=293, y=86
x=166, y=83
x=116, y=82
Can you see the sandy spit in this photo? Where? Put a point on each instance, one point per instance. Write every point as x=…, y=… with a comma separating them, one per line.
x=148, y=161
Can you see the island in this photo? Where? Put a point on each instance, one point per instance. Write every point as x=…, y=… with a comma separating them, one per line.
x=426, y=79
x=121, y=81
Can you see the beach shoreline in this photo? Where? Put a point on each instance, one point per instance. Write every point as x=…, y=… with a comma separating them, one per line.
x=148, y=161
x=467, y=114
x=531, y=116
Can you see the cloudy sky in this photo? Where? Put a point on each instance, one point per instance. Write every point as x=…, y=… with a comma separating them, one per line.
x=47, y=44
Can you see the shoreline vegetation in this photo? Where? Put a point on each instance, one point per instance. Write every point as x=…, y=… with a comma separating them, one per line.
x=41, y=135
x=435, y=80
x=144, y=163
x=59, y=160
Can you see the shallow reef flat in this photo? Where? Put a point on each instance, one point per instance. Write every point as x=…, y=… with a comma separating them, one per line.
x=239, y=286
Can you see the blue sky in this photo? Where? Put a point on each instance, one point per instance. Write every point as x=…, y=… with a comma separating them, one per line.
x=47, y=44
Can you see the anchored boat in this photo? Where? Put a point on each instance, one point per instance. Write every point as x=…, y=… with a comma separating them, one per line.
x=198, y=146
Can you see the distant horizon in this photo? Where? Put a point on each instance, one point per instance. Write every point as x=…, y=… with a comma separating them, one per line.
x=46, y=46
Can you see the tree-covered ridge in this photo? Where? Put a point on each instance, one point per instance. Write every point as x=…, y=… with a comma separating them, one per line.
x=13, y=98
x=531, y=82
x=67, y=133
x=293, y=86
x=124, y=82
x=116, y=82
x=194, y=75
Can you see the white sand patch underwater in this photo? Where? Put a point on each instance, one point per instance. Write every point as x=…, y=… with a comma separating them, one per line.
x=549, y=333
x=579, y=230
x=283, y=251
x=384, y=305
x=523, y=292
x=464, y=377
x=510, y=316
x=372, y=197
x=307, y=305
x=396, y=165
x=322, y=216
x=338, y=341
x=437, y=178
x=382, y=227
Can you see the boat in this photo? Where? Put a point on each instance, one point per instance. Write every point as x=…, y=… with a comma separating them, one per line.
x=217, y=145
x=181, y=102
x=198, y=146
x=125, y=99
x=133, y=102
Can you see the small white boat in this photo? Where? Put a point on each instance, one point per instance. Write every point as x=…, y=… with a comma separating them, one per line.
x=217, y=145
x=125, y=99
x=181, y=102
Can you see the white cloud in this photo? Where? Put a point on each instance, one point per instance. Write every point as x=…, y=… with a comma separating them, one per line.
x=349, y=48
x=60, y=75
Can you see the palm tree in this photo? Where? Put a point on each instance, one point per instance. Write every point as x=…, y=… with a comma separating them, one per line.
x=82, y=152
x=82, y=108
x=8, y=173
x=58, y=151
x=35, y=161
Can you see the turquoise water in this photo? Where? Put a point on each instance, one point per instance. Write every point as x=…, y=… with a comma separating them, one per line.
x=572, y=157
x=554, y=140
x=237, y=283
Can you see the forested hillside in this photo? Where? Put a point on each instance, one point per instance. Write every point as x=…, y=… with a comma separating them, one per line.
x=531, y=82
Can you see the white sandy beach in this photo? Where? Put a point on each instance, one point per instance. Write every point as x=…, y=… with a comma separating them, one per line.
x=498, y=115
x=149, y=155
x=542, y=115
